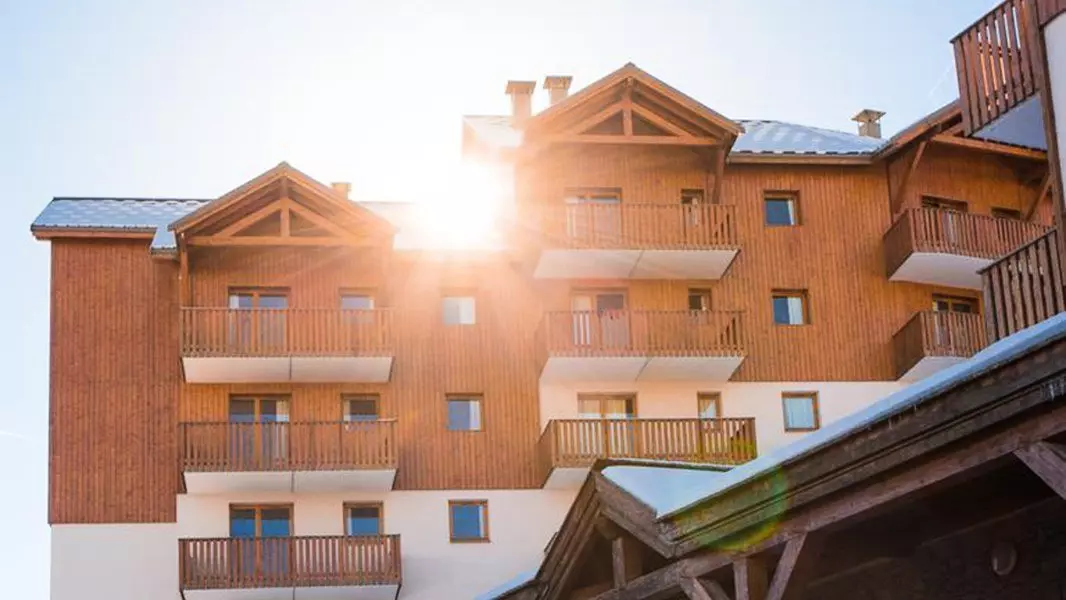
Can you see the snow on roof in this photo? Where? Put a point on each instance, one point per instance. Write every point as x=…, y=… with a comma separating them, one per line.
x=759, y=137
x=1002, y=352
x=508, y=586
x=663, y=486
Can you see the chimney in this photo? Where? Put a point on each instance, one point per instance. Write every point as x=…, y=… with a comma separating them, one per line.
x=869, y=122
x=343, y=188
x=558, y=87
x=521, y=93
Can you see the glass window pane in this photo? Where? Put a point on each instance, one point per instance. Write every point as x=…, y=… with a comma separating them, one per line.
x=241, y=301
x=242, y=522
x=799, y=412
x=708, y=407
x=458, y=310
x=275, y=522
x=795, y=310
x=273, y=301
x=242, y=410
x=364, y=520
x=468, y=521
x=781, y=310
x=361, y=409
x=357, y=302
x=273, y=410
x=464, y=415
x=780, y=211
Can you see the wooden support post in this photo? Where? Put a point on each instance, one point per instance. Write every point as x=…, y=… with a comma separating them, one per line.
x=1045, y=187
x=1048, y=461
x=750, y=577
x=900, y=192
x=794, y=569
x=625, y=560
x=703, y=590
x=719, y=172
x=184, y=283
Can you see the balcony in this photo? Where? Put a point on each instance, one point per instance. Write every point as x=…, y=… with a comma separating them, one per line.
x=1024, y=287
x=288, y=457
x=641, y=345
x=949, y=248
x=634, y=241
x=568, y=448
x=222, y=345
x=932, y=341
x=287, y=568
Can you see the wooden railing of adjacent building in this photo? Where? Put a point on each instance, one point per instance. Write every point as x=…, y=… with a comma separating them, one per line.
x=1024, y=287
x=579, y=442
x=305, y=446
x=209, y=332
x=951, y=232
x=637, y=226
x=643, y=333
x=280, y=562
x=998, y=61
x=937, y=334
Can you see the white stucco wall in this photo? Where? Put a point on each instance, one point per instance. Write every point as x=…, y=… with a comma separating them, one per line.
x=759, y=400
x=520, y=524
x=106, y=562
x=1055, y=41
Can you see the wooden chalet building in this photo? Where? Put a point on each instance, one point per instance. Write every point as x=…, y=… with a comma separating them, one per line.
x=283, y=393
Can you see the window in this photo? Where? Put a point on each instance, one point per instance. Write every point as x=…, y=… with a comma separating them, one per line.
x=362, y=519
x=944, y=204
x=790, y=308
x=691, y=197
x=360, y=408
x=468, y=520
x=709, y=405
x=801, y=411
x=250, y=521
x=356, y=301
x=699, y=299
x=954, y=304
x=593, y=196
x=1007, y=213
x=458, y=310
x=606, y=406
x=464, y=413
x=781, y=209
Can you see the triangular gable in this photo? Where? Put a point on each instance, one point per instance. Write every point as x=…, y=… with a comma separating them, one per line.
x=631, y=106
x=283, y=206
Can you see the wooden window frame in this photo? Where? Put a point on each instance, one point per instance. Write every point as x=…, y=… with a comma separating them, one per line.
x=803, y=295
x=480, y=398
x=1002, y=212
x=603, y=397
x=257, y=292
x=693, y=193
x=258, y=507
x=699, y=291
x=957, y=205
x=342, y=292
x=949, y=298
x=345, y=397
x=484, y=538
x=258, y=399
x=459, y=293
x=815, y=406
x=585, y=194
x=791, y=195
x=715, y=397
x=348, y=505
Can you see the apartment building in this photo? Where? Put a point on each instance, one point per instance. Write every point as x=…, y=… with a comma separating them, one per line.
x=280, y=393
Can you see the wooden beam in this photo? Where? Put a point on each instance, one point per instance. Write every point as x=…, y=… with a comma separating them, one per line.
x=184, y=282
x=794, y=569
x=659, y=122
x=286, y=222
x=1045, y=187
x=658, y=140
x=248, y=220
x=993, y=147
x=1048, y=461
x=599, y=117
x=750, y=578
x=897, y=197
x=719, y=174
x=627, y=110
x=274, y=240
x=798, y=159
x=669, y=577
x=625, y=560
x=315, y=218
x=47, y=233
x=696, y=589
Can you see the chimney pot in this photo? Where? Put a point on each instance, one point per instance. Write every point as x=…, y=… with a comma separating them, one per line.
x=343, y=188
x=558, y=87
x=869, y=121
x=521, y=93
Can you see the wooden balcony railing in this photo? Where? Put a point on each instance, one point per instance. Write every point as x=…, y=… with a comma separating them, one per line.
x=951, y=232
x=998, y=61
x=937, y=334
x=207, y=332
x=636, y=226
x=643, y=333
x=1024, y=287
x=268, y=562
x=579, y=442
x=228, y=447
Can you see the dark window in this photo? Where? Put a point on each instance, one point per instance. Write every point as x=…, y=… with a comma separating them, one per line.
x=360, y=408
x=464, y=413
x=692, y=197
x=458, y=310
x=954, y=304
x=709, y=405
x=699, y=299
x=363, y=519
x=801, y=411
x=781, y=210
x=1007, y=213
x=468, y=520
x=944, y=204
x=790, y=308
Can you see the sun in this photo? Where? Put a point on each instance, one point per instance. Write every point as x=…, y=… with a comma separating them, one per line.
x=464, y=210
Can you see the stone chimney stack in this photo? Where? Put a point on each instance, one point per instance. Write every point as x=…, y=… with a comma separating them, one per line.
x=343, y=188
x=869, y=122
x=521, y=93
x=558, y=87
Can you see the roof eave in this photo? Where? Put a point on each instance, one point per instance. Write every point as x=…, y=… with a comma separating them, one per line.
x=759, y=158
x=48, y=232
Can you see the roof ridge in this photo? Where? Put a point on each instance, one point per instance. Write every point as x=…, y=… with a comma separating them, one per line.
x=129, y=199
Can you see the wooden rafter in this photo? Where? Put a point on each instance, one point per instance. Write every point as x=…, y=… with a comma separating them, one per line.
x=900, y=192
x=750, y=578
x=696, y=589
x=627, y=109
x=1042, y=192
x=625, y=559
x=794, y=569
x=248, y=220
x=661, y=140
x=660, y=122
x=1048, y=461
x=974, y=144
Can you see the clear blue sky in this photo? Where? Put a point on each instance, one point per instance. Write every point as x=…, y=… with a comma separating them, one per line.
x=189, y=98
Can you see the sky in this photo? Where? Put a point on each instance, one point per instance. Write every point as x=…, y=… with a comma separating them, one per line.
x=190, y=98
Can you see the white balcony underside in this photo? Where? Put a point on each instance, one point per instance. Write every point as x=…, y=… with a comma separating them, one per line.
x=282, y=369
x=949, y=270
x=566, y=478
x=640, y=368
x=633, y=264
x=369, y=480
x=929, y=365
x=351, y=592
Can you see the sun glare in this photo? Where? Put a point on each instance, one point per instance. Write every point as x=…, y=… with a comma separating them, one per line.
x=464, y=213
